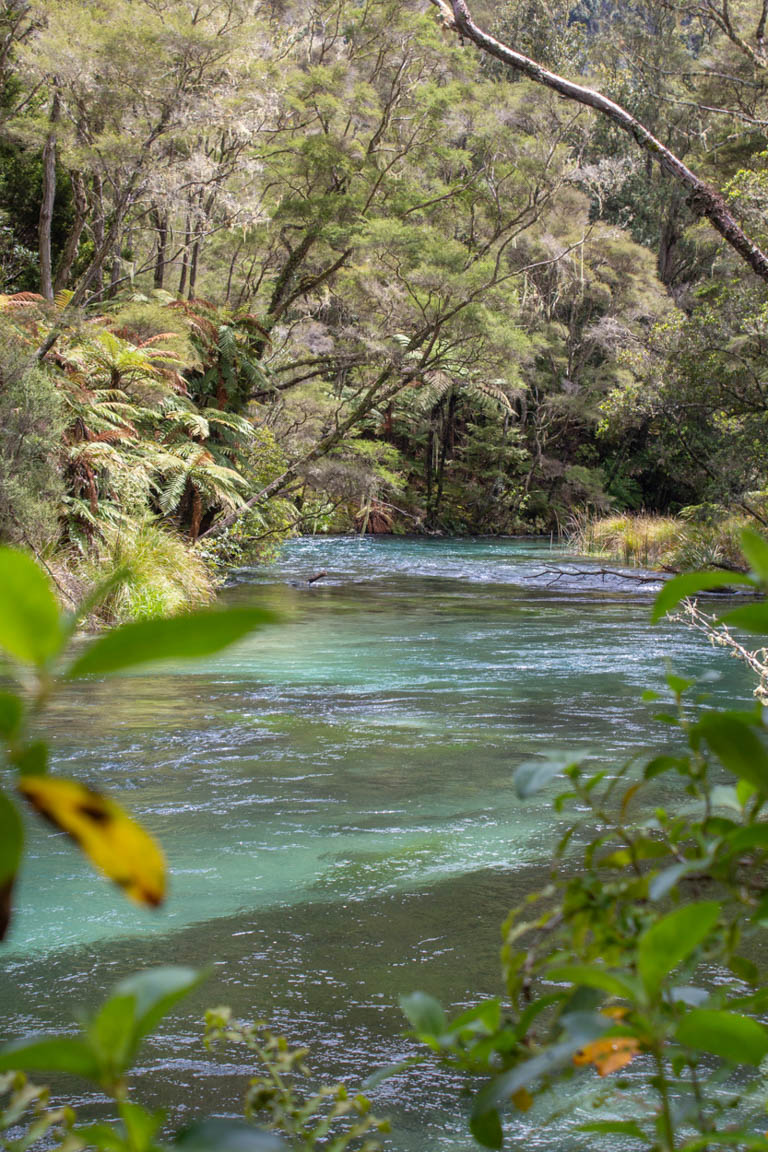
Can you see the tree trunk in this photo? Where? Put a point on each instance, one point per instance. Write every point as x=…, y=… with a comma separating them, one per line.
x=428, y=467
x=161, y=225
x=114, y=274
x=47, y=200
x=197, y=515
x=704, y=200
x=669, y=235
x=232, y=263
x=445, y=442
x=193, y=266
x=185, y=257
x=69, y=255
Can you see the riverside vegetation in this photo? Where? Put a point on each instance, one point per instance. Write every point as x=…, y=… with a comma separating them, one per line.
x=324, y=267
x=642, y=962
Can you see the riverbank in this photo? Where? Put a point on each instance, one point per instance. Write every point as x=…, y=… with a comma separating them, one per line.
x=157, y=572
x=703, y=537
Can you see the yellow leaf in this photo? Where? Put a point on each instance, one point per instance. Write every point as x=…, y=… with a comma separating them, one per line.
x=107, y=835
x=608, y=1055
x=522, y=1099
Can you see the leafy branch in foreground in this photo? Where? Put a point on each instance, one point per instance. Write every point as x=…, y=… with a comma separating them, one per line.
x=103, y=1054
x=645, y=947
x=329, y=1118
x=35, y=637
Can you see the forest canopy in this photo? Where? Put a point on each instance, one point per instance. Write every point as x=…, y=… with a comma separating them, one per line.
x=268, y=266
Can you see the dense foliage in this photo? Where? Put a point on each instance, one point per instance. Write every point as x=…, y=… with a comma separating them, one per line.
x=314, y=267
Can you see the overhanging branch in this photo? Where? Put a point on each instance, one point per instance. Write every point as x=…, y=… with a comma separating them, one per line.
x=704, y=200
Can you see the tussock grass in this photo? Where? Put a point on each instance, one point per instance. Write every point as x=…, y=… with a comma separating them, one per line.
x=163, y=575
x=632, y=538
x=694, y=539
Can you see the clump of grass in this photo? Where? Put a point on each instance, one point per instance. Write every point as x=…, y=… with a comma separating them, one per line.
x=634, y=538
x=703, y=536
x=163, y=575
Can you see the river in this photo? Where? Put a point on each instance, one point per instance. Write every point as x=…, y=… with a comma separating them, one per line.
x=335, y=799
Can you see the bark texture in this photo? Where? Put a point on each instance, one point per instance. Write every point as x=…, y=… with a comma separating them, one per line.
x=47, y=200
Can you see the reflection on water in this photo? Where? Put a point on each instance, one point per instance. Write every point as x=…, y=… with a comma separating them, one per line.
x=334, y=797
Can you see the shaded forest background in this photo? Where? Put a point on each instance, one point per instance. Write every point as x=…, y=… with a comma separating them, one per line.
x=271, y=267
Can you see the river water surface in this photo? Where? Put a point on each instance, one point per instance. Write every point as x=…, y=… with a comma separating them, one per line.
x=334, y=796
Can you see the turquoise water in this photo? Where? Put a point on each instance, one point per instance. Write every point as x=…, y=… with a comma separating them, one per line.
x=334, y=796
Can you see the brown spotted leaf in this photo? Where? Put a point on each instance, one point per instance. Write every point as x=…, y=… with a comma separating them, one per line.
x=115, y=843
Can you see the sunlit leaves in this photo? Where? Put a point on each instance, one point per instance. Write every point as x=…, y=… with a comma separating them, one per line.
x=187, y=637
x=115, y=843
x=30, y=628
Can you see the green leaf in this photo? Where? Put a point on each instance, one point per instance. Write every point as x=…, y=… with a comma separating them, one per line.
x=11, y=715
x=141, y=1126
x=486, y=1015
x=486, y=1128
x=155, y=992
x=180, y=638
x=736, y=1039
x=746, y=839
x=750, y=617
x=105, y=1137
x=228, y=1136
x=424, y=1013
x=661, y=764
x=31, y=759
x=744, y=792
x=681, y=587
x=50, y=1054
x=111, y=1033
x=11, y=848
x=678, y=684
x=662, y=884
x=11, y=838
x=672, y=940
x=585, y=976
x=533, y=775
x=96, y=596
x=755, y=548
x=737, y=746
x=30, y=627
